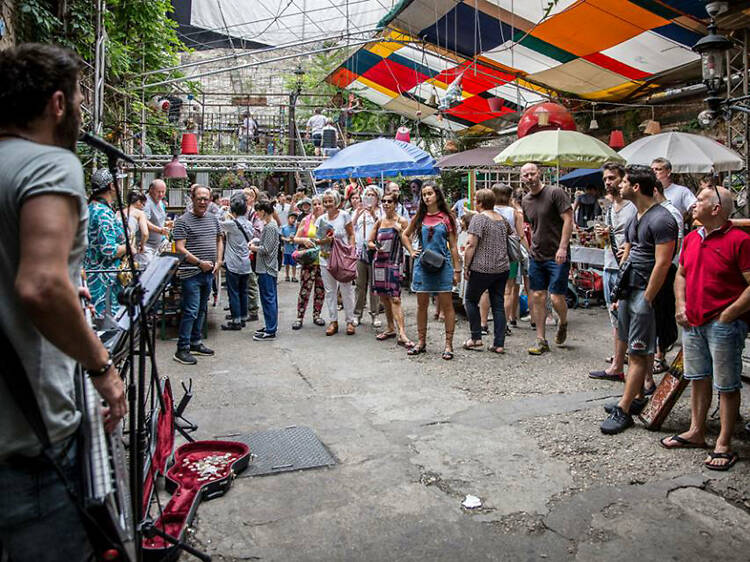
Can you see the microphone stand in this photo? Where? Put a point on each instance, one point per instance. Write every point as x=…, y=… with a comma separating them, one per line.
x=132, y=298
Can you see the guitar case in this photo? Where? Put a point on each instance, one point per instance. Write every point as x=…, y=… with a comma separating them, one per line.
x=665, y=396
x=201, y=470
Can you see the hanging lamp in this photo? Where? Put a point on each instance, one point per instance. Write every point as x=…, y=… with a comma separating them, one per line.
x=616, y=139
x=174, y=169
x=652, y=126
x=594, y=125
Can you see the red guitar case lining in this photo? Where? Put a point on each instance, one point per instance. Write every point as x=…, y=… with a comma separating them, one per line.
x=162, y=448
x=217, y=464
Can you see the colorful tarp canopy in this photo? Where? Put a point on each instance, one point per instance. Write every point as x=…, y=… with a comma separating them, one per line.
x=564, y=149
x=521, y=51
x=377, y=157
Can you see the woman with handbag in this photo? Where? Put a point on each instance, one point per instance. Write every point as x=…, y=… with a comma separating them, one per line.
x=335, y=224
x=436, y=269
x=364, y=221
x=387, y=241
x=486, y=268
x=311, y=282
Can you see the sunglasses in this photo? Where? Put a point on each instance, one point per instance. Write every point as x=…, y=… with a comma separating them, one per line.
x=718, y=197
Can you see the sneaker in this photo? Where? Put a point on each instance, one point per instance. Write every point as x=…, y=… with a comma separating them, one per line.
x=252, y=317
x=617, y=422
x=508, y=331
x=183, y=356
x=636, y=406
x=541, y=346
x=287, y=279
x=262, y=336
x=231, y=326
x=513, y=323
x=319, y=321
x=357, y=320
x=377, y=322
x=605, y=376
x=562, y=333
x=297, y=324
x=294, y=280
x=526, y=318
x=485, y=330
x=201, y=349
x=260, y=331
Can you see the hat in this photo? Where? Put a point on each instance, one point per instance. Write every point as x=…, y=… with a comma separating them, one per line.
x=101, y=179
x=305, y=201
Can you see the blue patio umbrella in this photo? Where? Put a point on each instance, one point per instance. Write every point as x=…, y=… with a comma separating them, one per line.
x=377, y=157
x=583, y=177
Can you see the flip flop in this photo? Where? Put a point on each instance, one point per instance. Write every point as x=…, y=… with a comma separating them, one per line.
x=683, y=443
x=416, y=350
x=408, y=344
x=473, y=346
x=382, y=336
x=732, y=457
x=498, y=350
x=447, y=355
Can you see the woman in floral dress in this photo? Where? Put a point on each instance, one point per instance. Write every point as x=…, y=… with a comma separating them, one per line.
x=106, y=244
x=388, y=240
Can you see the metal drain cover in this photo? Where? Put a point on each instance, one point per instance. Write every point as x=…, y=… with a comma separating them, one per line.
x=284, y=450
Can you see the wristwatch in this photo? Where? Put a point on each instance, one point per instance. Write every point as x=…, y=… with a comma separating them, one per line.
x=100, y=372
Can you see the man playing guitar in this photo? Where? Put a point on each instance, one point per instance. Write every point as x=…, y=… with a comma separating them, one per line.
x=42, y=242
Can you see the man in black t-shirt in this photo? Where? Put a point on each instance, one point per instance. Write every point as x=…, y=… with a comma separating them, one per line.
x=650, y=240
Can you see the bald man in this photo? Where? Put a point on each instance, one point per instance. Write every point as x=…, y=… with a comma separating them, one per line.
x=156, y=213
x=712, y=293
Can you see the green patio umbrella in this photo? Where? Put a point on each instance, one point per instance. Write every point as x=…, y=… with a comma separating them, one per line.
x=563, y=149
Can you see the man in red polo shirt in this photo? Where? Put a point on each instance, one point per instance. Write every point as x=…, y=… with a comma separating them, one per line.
x=714, y=273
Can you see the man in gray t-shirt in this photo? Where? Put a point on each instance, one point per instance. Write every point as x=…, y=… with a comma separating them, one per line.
x=156, y=213
x=43, y=219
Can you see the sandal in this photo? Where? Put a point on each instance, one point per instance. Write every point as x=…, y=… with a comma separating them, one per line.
x=382, y=336
x=297, y=325
x=319, y=321
x=498, y=350
x=417, y=349
x=408, y=344
x=730, y=457
x=447, y=354
x=660, y=366
x=682, y=443
x=471, y=346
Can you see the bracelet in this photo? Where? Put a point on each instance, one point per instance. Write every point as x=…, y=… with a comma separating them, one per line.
x=93, y=373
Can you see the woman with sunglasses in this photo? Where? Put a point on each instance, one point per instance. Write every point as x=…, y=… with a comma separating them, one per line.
x=436, y=269
x=388, y=240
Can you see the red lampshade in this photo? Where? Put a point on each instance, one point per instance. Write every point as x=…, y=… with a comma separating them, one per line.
x=175, y=169
x=616, y=139
x=403, y=134
x=189, y=143
x=545, y=116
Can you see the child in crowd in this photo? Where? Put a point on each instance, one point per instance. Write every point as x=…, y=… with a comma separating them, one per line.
x=287, y=236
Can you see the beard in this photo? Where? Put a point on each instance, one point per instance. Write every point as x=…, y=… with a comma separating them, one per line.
x=67, y=131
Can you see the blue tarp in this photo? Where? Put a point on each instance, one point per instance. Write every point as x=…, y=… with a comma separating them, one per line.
x=379, y=156
x=583, y=177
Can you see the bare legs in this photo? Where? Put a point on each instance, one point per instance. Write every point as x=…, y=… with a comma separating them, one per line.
x=445, y=303
x=395, y=316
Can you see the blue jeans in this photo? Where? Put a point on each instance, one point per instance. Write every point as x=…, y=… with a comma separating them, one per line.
x=609, y=278
x=715, y=349
x=269, y=301
x=237, y=292
x=38, y=520
x=494, y=283
x=195, y=293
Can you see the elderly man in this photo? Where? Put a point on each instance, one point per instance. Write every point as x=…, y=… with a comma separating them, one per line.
x=715, y=264
x=650, y=244
x=548, y=210
x=156, y=213
x=197, y=236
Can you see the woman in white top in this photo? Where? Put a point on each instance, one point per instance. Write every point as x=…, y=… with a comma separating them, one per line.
x=138, y=226
x=335, y=223
x=365, y=217
x=504, y=206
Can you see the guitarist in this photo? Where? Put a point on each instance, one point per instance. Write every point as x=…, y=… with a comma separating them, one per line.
x=714, y=273
x=43, y=221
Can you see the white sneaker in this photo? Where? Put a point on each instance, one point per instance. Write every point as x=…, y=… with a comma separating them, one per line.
x=355, y=322
x=376, y=322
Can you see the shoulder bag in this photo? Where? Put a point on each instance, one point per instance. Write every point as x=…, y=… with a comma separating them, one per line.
x=513, y=243
x=431, y=261
x=342, y=264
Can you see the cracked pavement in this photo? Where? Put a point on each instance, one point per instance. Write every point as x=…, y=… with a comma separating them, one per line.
x=414, y=436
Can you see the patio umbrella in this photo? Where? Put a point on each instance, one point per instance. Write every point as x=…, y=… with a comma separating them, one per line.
x=377, y=157
x=583, y=177
x=564, y=149
x=475, y=158
x=688, y=153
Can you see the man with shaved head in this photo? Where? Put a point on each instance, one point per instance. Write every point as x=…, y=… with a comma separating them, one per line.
x=156, y=213
x=712, y=291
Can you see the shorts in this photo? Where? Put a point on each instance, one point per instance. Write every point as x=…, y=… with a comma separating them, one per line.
x=609, y=279
x=289, y=260
x=317, y=139
x=636, y=323
x=549, y=276
x=715, y=349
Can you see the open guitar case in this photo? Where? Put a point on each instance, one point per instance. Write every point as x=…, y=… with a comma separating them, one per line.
x=196, y=471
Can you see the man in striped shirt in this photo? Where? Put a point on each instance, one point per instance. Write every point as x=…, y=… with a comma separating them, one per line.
x=197, y=236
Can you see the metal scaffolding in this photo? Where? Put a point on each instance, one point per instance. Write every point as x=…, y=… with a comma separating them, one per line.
x=738, y=124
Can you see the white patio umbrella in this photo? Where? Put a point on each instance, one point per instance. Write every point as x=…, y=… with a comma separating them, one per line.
x=688, y=153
